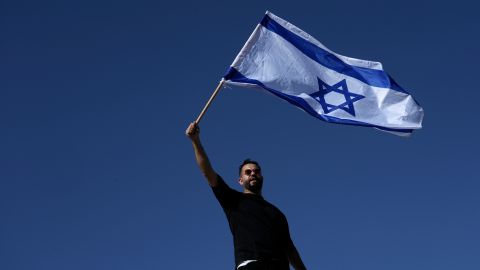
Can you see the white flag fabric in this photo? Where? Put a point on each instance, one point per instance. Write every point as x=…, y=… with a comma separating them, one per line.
x=287, y=62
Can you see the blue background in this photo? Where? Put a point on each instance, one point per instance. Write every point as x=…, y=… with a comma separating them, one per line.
x=96, y=172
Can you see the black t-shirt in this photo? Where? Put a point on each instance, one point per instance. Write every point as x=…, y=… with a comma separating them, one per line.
x=259, y=229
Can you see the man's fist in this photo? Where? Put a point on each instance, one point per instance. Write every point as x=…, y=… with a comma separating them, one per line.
x=193, y=131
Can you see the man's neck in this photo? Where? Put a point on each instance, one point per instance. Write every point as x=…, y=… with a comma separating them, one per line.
x=246, y=191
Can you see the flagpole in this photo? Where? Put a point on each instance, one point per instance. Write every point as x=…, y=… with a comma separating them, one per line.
x=220, y=84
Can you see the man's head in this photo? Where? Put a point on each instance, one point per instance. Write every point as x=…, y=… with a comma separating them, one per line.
x=251, y=178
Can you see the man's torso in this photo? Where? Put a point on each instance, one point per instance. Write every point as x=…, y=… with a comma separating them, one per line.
x=259, y=229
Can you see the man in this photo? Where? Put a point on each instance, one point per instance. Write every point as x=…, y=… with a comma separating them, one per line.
x=260, y=231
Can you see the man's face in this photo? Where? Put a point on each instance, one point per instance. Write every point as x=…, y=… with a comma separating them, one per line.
x=251, y=178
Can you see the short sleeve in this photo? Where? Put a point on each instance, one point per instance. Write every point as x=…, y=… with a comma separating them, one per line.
x=286, y=233
x=226, y=196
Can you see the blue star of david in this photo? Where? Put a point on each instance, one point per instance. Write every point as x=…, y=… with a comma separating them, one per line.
x=341, y=88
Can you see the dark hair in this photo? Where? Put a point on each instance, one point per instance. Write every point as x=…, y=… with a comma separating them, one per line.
x=245, y=162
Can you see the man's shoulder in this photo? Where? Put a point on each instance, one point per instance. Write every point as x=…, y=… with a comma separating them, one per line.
x=221, y=184
x=223, y=187
x=228, y=197
x=275, y=208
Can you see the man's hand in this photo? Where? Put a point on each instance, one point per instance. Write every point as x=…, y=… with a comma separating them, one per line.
x=193, y=131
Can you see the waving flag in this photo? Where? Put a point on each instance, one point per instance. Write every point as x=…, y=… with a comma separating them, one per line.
x=285, y=61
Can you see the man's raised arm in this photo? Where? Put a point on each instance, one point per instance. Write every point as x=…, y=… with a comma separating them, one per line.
x=193, y=132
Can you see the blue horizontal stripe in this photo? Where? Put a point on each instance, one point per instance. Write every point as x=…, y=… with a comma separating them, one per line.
x=235, y=76
x=373, y=77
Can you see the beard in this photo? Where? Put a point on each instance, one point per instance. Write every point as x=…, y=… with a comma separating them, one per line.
x=256, y=187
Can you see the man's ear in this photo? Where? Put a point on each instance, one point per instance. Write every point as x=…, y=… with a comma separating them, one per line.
x=240, y=181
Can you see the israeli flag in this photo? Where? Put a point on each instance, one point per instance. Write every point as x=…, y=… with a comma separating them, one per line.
x=287, y=62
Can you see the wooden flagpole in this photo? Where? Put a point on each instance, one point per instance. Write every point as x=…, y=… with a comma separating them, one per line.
x=219, y=86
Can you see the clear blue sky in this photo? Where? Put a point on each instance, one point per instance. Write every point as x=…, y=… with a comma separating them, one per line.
x=96, y=172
